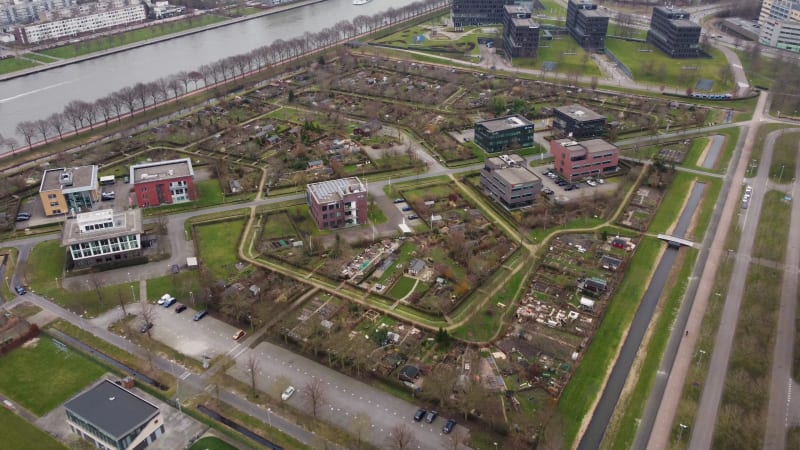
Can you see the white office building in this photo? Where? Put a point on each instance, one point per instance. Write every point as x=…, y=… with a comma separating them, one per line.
x=779, y=22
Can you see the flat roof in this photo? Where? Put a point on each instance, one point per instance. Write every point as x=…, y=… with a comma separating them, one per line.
x=83, y=178
x=589, y=146
x=335, y=190
x=161, y=170
x=524, y=23
x=591, y=13
x=111, y=408
x=125, y=223
x=672, y=10
x=505, y=123
x=516, y=9
x=579, y=112
x=512, y=169
x=685, y=23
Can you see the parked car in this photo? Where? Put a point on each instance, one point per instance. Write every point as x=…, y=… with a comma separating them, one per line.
x=175, y=268
x=466, y=139
x=591, y=183
x=20, y=290
x=547, y=191
x=239, y=334
x=420, y=414
x=413, y=216
x=398, y=200
x=165, y=298
x=126, y=179
x=431, y=416
x=199, y=315
x=107, y=196
x=287, y=393
x=169, y=302
x=23, y=216
x=406, y=208
x=448, y=427
x=180, y=308
x=145, y=327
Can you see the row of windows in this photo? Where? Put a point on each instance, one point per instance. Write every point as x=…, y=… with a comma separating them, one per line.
x=332, y=206
x=98, y=226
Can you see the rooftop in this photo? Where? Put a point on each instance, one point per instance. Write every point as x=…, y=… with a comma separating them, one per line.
x=505, y=123
x=161, y=170
x=512, y=169
x=578, y=112
x=123, y=224
x=524, y=23
x=71, y=179
x=685, y=23
x=516, y=9
x=591, y=13
x=590, y=146
x=111, y=408
x=335, y=190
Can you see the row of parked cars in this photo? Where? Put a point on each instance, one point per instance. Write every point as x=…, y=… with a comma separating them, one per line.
x=566, y=185
x=430, y=416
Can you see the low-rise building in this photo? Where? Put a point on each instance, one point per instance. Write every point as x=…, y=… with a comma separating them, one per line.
x=163, y=182
x=504, y=133
x=337, y=203
x=507, y=181
x=673, y=33
x=587, y=25
x=586, y=159
x=578, y=122
x=103, y=237
x=520, y=32
x=112, y=417
x=66, y=190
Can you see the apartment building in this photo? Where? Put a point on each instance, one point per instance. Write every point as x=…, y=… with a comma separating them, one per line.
x=779, y=24
x=163, y=182
x=337, y=203
x=74, y=26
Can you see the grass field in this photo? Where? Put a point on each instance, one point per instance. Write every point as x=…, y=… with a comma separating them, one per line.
x=19, y=434
x=129, y=37
x=465, y=46
x=178, y=285
x=402, y=287
x=217, y=244
x=42, y=58
x=784, y=155
x=568, y=55
x=209, y=194
x=42, y=377
x=772, y=234
x=672, y=205
x=211, y=443
x=9, y=65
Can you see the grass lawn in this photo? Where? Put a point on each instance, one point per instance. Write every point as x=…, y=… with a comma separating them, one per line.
x=217, y=244
x=11, y=263
x=466, y=45
x=209, y=193
x=211, y=443
x=129, y=37
x=9, y=65
x=568, y=55
x=698, y=145
x=19, y=434
x=783, y=158
x=42, y=58
x=277, y=225
x=42, y=377
x=773, y=228
x=483, y=325
x=178, y=285
x=672, y=205
x=657, y=68
x=375, y=214
x=402, y=287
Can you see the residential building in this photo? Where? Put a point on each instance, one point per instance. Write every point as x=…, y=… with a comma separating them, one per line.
x=520, y=33
x=103, y=237
x=13, y=11
x=111, y=417
x=673, y=33
x=586, y=159
x=779, y=22
x=578, y=122
x=477, y=12
x=163, y=182
x=69, y=190
x=507, y=181
x=504, y=133
x=337, y=203
x=73, y=26
x=587, y=25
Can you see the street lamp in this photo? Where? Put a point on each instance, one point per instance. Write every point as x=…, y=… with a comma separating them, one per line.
x=269, y=416
x=681, y=429
x=495, y=446
x=701, y=353
x=780, y=177
x=250, y=318
x=192, y=296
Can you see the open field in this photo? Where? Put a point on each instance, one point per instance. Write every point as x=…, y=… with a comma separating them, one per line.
x=568, y=55
x=19, y=434
x=784, y=155
x=9, y=65
x=217, y=246
x=211, y=443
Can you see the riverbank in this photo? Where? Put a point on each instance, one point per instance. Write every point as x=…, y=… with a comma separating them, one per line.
x=124, y=48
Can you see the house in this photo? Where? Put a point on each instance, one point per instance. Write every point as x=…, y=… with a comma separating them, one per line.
x=67, y=190
x=112, y=417
x=594, y=286
x=574, y=160
x=369, y=129
x=163, y=182
x=101, y=237
x=236, y=186
x=409, y=373
x=673, y=33
x=609, y=262
x=416, y=266
x=507, y=181
x=504, y=133
x=578, y=122
x=337, y=203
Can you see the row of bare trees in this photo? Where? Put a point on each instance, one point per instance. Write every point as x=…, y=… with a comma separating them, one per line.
x=79, y=115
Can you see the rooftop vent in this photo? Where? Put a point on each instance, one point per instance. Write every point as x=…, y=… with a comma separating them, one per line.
x=65, y=179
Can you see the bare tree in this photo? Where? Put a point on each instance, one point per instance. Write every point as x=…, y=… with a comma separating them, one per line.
x=121, y=299
x=141, y=92
x=43, y=127
x=252, y=366
x=57, y=124
x=27, y=129
x=10, y=143
x=401, y=437
x=314, y=393
x=73, y=113
x=148, y=314
x=97, y=285
x=456, y=440
x=441, y=382
x=359, y=426
x=126, y=96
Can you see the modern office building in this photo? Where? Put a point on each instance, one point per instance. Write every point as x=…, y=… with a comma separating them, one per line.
x=507, y=181
x=586, y=159
x=69, y=190
x=779, y=22
x=477, y=12
x=520, y=32
x=111, y=417
x=673, y=33
x=578, y=122
x=103, y=237
x=337, y=203
x=74, y=26
x=504, y=133
x=587, y=25
x=163, y=182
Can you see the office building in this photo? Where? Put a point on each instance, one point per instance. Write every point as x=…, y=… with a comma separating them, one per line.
x=163, y=182
x=69, y=190
x=779, y=24
x=586, y=159
x=578, y=122
x=673, y=33
x=103, y=237
x=477, y=12
x=337, y=203
x=507, y=181
x=74, y=26
x=504, y=133
x=587, y=25
x=520, y=33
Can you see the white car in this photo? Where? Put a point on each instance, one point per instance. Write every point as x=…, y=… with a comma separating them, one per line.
x=287, y=393
x=166, y=298
x=591, y=183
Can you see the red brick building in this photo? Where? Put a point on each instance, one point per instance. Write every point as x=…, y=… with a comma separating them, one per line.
x=337, y=203
x=163, y=182
x=586, y=159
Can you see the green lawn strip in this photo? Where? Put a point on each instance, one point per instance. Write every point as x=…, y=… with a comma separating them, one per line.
x=39, y=57
x=11, y=264
x=19, y=434
x=622, y=431
x=566, y=53
x=9, y=65
x=212, y=443
x=553, y=8
x=732, y=138
x=41, y=377
x=677, y=193
x=693, y=155
x=761, y=137
x=215, y=217
x=657, y=68
x=402, y=287
x=217, y=244
x=587, y=382
x=209, y=194
x=130, y=37
x=375, y=214
x=540, y=234
x=179, y=285
x=793, y=437
x=760, y=77
x=783, y=158
x=706, y=208
x=773, y=228
x=742, y=413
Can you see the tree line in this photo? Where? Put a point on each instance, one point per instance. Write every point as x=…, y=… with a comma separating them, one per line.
x=78, y=115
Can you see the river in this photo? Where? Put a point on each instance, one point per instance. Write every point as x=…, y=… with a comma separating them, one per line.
x=38, y=95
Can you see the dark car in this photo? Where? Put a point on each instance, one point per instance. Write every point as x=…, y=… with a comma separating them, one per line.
x=20, y=290
x=431, y=416
x=413, y=217
x=448, y=427
x=420, y=414
x=180, y=307
x=398, y=200
x=200, y=315
x=126, y=179
x=145, y=327
x=406, y=208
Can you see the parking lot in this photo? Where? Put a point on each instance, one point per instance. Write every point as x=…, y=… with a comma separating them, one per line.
x=569, y=190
